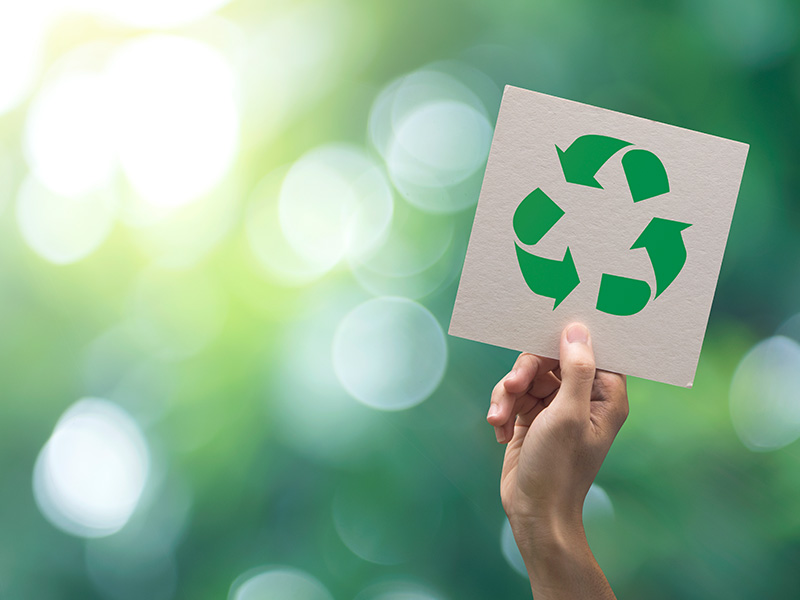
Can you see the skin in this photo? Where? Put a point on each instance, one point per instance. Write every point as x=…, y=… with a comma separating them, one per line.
x=558, y=419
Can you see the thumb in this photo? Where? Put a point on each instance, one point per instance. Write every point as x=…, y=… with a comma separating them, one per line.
x=577, y=368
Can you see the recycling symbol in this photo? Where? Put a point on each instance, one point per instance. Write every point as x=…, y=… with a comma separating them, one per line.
x=661, y=238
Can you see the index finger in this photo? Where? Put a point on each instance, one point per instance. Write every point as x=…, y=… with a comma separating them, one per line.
x=526, y=369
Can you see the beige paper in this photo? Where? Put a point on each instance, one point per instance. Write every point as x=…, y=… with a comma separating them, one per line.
x=662, y=341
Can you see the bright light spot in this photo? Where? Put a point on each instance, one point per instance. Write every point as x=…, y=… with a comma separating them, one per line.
x=335, y=427
x=334, y=202
x=278, y=583
x=267, y=241
x=176, y=121
x=765, y=395
x=63, y=229
x=68, y=136
x=21, y=34
x=386, y=519
x=390, y=353
x=439, y=143
x=396, y=590
x=91, y=472
x=434, y=134
x=510, y=550
x=154, y=13
x=175, y=314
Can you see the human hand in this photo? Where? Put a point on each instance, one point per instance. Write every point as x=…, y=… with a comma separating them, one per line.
x=559, y=418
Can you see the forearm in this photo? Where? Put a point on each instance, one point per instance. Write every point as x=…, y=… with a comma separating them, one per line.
x=560, y=563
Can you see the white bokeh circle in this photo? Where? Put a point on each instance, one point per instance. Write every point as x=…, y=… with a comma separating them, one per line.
x=765, y=395
x=278, y=583
x=390, y=353
x=64, y=229
x=267, y=241
x=397, y=590
x=441, y=142
x=334, y=202
x=433, y=131
x=90, y=475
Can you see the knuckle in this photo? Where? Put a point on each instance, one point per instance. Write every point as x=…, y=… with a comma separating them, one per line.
x=498, y=396
x=497, y=389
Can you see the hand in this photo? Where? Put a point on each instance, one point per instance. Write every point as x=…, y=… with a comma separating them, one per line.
x=559, y=419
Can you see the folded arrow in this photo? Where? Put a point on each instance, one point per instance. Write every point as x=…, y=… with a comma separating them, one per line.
x=584, y=157
x=663, y=241
x=548, y=277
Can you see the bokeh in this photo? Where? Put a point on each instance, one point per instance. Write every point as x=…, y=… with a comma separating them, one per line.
x=230, y=238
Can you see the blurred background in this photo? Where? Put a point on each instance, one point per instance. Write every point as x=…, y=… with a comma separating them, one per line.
x=230, y=238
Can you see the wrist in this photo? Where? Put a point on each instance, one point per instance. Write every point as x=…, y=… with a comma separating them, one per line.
x=549, y=542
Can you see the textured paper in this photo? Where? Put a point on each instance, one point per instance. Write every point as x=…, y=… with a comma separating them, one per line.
x=662, y=342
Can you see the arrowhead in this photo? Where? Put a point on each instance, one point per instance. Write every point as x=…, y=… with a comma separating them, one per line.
x=570, y=279
x=548, y=277
x=576, y=170
x=663, y=242
x=584, y=157
x=657, y=231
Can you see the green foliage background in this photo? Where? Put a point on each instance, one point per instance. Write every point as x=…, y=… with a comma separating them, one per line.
x=697, y=514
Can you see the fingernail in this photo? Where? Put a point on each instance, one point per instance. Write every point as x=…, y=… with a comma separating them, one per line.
x=493, y=410
x=577, y=333
x=500, y=435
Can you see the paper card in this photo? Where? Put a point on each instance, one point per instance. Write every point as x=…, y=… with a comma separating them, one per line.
x=590, y=215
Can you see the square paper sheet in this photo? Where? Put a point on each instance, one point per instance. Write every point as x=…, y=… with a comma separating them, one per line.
x=623, y=227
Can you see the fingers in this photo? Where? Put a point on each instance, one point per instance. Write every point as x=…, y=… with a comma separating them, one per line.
x=525, y=370
x=577, y=370
x=518, y=391
x=502, y=412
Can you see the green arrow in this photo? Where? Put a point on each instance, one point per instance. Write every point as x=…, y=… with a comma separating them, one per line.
x=534, y=217
x=583, y=159
x=622, y=296
x=664, y=244
x=548, y=277
x=646, y=174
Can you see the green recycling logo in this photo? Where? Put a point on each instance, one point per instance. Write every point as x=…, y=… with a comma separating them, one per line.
x=661, y=238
